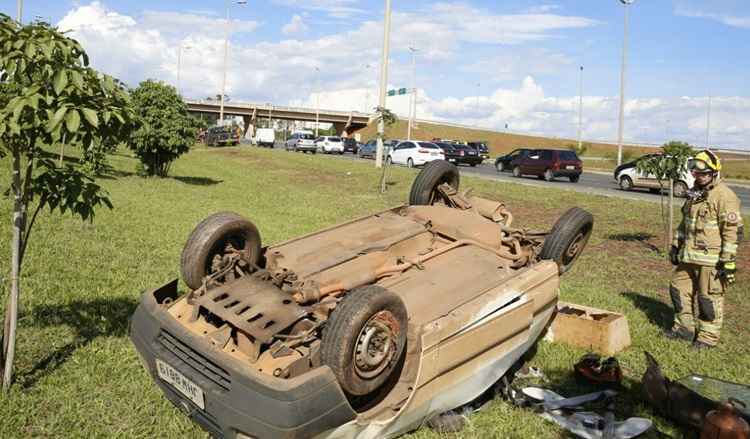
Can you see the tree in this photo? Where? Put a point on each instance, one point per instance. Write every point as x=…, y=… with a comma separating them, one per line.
x=387, y=118
x=164, y=129
x=580, y=151
x=48, y=95
x=668, y=167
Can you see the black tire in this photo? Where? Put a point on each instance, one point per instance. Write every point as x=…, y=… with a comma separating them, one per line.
x=210, y=237
x=473, y=165
x=574, y=178
x=429, y=178
x=499, y=166
x=380, y=312
x=388, y=161
x=626, y=183
x=409, y=163
x=568, y=238
x=517, y=171
x=680, y=189
x=549, y=175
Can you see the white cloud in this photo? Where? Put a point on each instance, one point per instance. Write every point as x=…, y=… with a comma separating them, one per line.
x=178, y=23
x=727, y=19
x=295, y=26
x=541, y=9
x=334, y=8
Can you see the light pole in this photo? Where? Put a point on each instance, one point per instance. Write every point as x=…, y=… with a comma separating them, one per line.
x=413, y=101
x=626, y=3
x=19, y=11
x=179, y=65
x=317, y=100
x=580, y=109
x=383, y=82
x=367, y=88
x=226, y=56
x=708, y=123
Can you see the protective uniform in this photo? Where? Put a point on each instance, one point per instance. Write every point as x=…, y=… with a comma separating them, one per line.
x=705, y=242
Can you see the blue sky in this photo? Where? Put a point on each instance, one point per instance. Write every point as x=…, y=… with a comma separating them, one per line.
x=479, y=62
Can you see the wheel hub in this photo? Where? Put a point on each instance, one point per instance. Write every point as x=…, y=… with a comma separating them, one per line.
x=376, y=345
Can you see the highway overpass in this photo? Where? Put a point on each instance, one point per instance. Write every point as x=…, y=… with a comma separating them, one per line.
x=345, y=122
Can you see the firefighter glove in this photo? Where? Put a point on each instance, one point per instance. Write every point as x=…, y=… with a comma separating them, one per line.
x=727, y=270
x=674, y=257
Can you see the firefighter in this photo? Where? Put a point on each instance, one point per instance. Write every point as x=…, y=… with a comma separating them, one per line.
x=704, y=250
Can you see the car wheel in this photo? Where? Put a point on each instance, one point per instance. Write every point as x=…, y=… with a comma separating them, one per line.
x=574, y=178
x=680, y=189
x=499, y=166
x=473, y=165
x=424, y=189
x=216, y=236
x=409, y=163
x=517, y=171
x=568, y=238
x=626, y=183
x=364, y=339
x=388, y=161
x=549, y=175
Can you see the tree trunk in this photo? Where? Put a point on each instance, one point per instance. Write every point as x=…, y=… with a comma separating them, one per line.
x=671, y=213
x=11, y=311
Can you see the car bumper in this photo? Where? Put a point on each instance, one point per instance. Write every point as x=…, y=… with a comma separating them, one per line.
x=306, y=148
x=419, y=160
x=239, y=402
x=466, y=160
x=567, y=172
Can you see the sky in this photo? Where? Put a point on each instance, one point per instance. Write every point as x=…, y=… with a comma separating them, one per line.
x=508, y=65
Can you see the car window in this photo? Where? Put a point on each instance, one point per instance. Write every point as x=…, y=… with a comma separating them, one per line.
x=534, y=155
x=334, y=139
x=428, y=145
x=546, y=155
x=306, y=136
x=568, y=155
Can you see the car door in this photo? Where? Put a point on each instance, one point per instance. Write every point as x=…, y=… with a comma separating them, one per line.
x=397, y=154
x=529, y=162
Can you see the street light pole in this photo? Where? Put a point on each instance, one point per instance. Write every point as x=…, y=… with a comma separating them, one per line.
x=367, y=88
x=226, y=57
x=620, y=128
x=708, y=122
x=580, y=109
x=19, y=11
x=383, y=81
x=317, y=100
x=413, y=100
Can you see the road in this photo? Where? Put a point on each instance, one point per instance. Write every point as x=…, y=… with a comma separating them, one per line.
x=590, y=182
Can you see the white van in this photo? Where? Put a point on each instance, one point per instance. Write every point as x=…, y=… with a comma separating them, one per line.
x=265, y=137
x=629, y=177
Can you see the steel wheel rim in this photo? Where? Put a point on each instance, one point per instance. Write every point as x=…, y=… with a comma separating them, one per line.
x=375, y=345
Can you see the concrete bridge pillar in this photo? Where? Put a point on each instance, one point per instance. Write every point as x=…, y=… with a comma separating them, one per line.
x=340, y=129
x=249, y=127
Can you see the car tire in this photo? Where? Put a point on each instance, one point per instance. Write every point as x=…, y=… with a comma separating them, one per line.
x=680, y=189
x=499, y=166
x=568, y=238
x=473, y=165
x=626, y=183
x=409, y=163
x=210, y=238
x=434, y=173
x=363, y=313
x=574, y=178
x=549, y=175
x=517, y=171
x=388, y=161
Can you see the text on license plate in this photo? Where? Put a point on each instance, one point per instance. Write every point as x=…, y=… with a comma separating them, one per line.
x=570, y=167
x=179, y=382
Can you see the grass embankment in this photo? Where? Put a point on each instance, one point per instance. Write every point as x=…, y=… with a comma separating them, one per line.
x=78, y=374
x=736, y=166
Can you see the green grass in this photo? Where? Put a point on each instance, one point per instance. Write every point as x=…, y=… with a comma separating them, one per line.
x=78, y=374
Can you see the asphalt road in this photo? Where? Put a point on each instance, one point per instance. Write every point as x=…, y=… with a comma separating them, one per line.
x=590, y=182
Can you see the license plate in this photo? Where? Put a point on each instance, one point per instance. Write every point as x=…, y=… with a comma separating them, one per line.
x=570, y=167
x=472, y=153
x=451, y=160
x=182, y=384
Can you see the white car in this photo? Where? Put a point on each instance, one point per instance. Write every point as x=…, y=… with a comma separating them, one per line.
x=629, y=177
x=414, y=153
x=330, y=144
x=265, y=137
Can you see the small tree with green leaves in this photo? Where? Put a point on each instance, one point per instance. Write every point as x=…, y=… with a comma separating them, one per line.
x=668, y=167
x=387, y=118
x=49, y=95
x=164, y=129
x=580, y=151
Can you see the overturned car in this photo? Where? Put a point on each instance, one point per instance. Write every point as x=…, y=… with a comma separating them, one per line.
x=365, y=329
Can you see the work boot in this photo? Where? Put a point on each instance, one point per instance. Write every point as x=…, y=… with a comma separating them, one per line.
x=701, y=346
x=680, y=334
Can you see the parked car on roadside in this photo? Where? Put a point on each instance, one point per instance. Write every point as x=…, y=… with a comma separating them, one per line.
x=457, y=153
x=301, y=141
x=350, y=145
x=548, y=164
x=265, y=137
x=369, y=149
x=629, y=177
x=414, y=153
x=504, y=162
x=484, y=151
x=330, y=144
x=222, y=135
